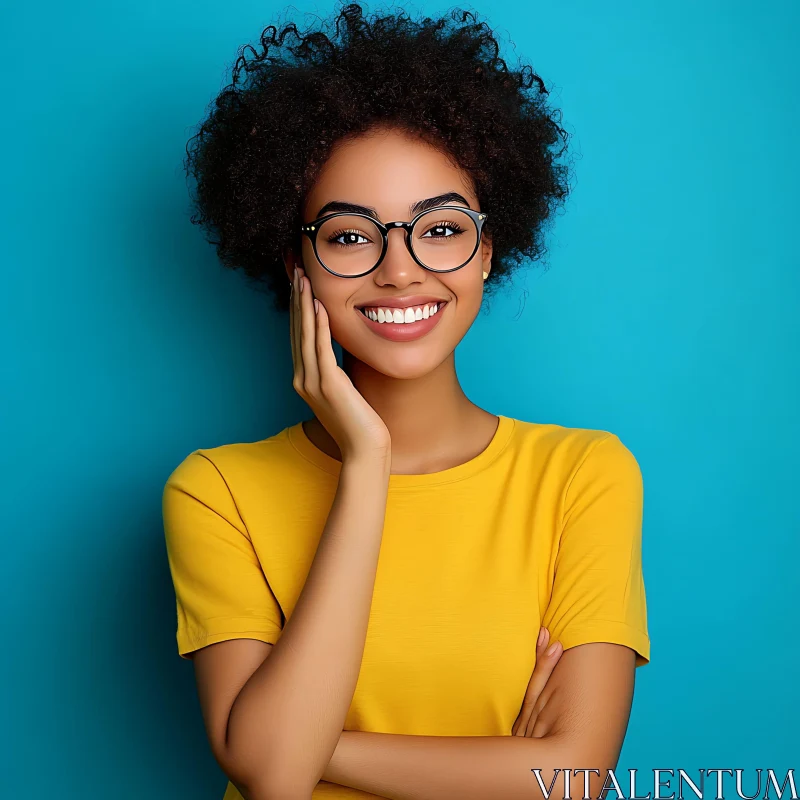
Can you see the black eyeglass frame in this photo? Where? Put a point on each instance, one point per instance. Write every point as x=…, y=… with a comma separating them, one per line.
x=312, y=229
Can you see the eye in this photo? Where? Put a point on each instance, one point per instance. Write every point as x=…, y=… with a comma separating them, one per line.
x=439, y=229
x=351, y=236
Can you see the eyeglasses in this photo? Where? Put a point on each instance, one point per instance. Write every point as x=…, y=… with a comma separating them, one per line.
x=441, y=239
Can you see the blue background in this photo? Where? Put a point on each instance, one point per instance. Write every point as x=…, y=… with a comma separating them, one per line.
x=668, y=315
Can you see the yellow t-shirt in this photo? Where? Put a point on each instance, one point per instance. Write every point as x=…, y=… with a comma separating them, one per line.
x=543, y=527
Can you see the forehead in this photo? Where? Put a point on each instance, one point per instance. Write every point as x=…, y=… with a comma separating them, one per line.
x=387, y=170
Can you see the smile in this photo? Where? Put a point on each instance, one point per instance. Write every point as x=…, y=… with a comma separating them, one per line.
x=403, y=324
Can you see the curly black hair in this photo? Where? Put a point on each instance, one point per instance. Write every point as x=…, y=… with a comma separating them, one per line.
x=270, y=131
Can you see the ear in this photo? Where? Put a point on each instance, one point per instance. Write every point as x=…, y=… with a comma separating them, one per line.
x=486, y=252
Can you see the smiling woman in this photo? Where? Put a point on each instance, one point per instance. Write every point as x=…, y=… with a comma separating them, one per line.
x=362, y=592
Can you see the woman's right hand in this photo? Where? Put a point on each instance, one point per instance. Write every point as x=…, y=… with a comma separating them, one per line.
x=325, y=386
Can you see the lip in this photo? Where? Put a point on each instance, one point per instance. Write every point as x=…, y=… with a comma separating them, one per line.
x=401, y=302
x=404, y=331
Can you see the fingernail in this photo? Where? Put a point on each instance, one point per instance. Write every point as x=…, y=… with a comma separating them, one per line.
x=552, y=649
x=541, y=637
x=316, y=306
x=295, y=273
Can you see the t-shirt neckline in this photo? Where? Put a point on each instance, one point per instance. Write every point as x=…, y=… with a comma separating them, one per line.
x=505, y=427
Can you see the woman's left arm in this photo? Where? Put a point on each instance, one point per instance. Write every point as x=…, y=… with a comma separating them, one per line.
x=580, y=721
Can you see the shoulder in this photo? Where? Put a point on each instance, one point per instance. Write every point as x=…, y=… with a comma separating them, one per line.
x=572, y=450
x=231, y=463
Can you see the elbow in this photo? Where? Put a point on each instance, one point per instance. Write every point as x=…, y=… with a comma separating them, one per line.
x=272, y=768
x=275, y=789
x=266, y=783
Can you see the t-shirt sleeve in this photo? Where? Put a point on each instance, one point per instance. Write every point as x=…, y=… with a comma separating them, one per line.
x=221, y=591
x=598, y=586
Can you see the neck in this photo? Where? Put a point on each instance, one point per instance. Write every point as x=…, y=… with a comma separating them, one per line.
x=432, y=423
x=423, y=414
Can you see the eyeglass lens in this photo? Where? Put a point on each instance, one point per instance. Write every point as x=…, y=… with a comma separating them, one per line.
x=443, y=239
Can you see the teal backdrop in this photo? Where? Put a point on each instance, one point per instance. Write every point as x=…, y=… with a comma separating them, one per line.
x=667, y=314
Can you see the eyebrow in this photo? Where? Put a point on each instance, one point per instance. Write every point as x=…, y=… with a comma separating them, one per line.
x=414, y=208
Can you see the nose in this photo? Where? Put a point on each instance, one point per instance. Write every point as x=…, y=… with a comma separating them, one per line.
x=398, y=266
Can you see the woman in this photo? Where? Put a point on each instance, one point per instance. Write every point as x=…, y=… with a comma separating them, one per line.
x=404, y=595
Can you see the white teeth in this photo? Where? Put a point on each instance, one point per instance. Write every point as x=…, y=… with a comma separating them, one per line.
x=402, y=316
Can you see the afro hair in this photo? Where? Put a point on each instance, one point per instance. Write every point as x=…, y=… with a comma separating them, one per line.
x=270, y=131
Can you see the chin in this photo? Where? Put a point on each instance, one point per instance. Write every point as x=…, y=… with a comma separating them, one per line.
x=396, y=360
x=406, y=372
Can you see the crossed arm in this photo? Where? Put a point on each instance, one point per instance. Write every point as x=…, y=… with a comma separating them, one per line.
x=574, y=717
x=580, y=719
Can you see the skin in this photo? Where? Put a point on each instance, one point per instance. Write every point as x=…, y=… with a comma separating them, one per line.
x=413, y=386
x=395, y=407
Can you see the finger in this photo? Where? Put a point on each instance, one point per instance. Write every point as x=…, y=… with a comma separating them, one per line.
x=326, y=358
x=308, y=336
x=544, y=669
x=545, y=664
x=530, y=726
x=520, y=724
x=543, y=642
x=296, y=321
x=293, y=325
x=542, y=645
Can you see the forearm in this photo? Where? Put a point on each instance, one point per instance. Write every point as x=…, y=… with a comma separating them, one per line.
x=459, y=767
x=286, y=721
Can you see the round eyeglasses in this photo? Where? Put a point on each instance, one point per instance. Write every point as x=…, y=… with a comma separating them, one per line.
x=441, y=239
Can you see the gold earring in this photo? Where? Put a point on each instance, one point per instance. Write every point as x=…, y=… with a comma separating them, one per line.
x=485, y=275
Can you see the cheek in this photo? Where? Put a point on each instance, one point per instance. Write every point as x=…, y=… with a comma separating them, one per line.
x=342, y=322
x=468, y=293
x=328, y=289
x=341, y=316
